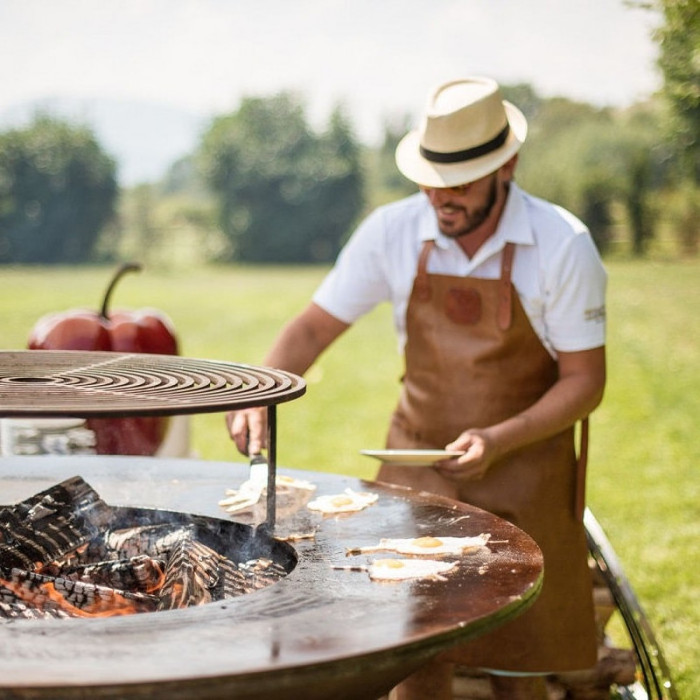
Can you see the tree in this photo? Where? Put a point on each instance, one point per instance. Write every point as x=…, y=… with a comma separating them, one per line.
x=679, y=59
x=57, y=191
x=285, y=194
x=678, y=37
x=563, y=161
x=526, y=98
x=589, y=160
x=385, y=183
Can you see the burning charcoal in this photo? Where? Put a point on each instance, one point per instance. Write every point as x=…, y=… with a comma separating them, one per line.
x=235, y=582
x=84, y=555
x=103, y=600
x=191, y=574
x=19, y=611
x=75, y=598
x=19, y=589
x=149, y=573
x=262, y=572
x=65, y=553
x=140, y=573
x=154, y=540
x=197, y=574
x=250, y=576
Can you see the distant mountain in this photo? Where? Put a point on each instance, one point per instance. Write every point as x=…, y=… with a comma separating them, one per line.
x=144, y=138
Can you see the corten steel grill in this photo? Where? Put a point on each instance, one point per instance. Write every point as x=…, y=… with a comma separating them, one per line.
x=318, y=632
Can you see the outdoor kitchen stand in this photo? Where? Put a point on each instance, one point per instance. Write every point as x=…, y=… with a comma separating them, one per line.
x=319, y=632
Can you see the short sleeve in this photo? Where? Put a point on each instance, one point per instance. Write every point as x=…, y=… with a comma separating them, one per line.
x=358, y=280
x=575, y=290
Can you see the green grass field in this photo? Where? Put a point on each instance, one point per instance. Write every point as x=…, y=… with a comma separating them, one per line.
x=643, y=479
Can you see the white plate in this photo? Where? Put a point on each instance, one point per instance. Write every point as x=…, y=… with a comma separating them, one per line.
x=411, y=458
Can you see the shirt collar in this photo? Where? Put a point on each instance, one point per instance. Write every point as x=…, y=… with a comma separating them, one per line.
x=514, y=225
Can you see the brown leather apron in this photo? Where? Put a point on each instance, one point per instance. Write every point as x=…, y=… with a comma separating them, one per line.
x=472, y=360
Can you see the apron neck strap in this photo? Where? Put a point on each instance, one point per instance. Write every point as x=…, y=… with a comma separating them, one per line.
x=505, y=297
x=421, y=283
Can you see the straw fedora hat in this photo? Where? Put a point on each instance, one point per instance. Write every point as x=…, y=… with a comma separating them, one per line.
x=468, y=131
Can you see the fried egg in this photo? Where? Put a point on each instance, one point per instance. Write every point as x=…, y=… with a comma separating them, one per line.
x=347, y=502
x=251, y=491
x=426, y=545
x=283, y=481
x=401, y=569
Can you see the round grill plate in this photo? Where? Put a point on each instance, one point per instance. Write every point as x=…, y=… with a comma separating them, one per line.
x=42, y=383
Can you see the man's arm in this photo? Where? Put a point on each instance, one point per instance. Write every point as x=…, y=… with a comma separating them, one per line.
x=296, y=348
x=575, y=394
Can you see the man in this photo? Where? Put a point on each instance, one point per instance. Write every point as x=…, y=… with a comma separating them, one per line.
x=499, y=304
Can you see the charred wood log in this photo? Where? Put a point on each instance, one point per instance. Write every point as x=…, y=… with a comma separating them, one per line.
x=140, y=573
x=76, y=598
x=155, y=540
x=65, y=553
x=50, y=524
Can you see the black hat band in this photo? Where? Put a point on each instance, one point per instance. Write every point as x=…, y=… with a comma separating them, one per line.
x=469, y=153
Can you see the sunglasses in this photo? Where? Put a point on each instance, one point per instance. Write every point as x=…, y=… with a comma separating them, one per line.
x=457, y=190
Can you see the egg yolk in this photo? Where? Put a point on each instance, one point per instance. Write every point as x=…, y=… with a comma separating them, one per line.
x=341, y=501
x=427, y=542
x=389, y=563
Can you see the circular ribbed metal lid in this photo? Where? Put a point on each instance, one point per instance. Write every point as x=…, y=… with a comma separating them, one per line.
x=55, y=383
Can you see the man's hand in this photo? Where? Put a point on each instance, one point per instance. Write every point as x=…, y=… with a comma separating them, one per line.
x=479, y=453
x=248, y=429
x=298, y=345
x=572, y=397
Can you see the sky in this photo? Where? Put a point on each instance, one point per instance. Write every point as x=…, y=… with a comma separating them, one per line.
x=377, y=58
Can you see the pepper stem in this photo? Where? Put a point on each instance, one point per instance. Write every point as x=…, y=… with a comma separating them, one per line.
x=123, y=269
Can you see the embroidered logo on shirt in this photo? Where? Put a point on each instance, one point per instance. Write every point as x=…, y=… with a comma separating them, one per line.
x=597, y=314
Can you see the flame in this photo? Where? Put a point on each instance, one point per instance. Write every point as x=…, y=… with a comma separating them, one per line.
x=176, y=592
x=111, y=606
x=115, y=604
x=159, y=580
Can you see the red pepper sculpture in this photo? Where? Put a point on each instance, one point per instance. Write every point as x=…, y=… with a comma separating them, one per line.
x=143, y=331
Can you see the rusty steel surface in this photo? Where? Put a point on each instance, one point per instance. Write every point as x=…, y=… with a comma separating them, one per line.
x=58, y=383
x=318, y=633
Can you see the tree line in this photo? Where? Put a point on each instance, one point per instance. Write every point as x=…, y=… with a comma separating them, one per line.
x=263, y=186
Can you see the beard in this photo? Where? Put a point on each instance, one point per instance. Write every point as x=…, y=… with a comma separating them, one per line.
x=460, y=221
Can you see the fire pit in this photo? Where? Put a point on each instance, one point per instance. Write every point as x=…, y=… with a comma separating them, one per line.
x=65, y=553
x=318, y=631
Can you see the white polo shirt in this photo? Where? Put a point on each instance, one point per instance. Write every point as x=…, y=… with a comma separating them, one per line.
x=557, y=271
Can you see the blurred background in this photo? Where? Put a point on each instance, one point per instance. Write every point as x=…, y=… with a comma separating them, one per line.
x=230, y=131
